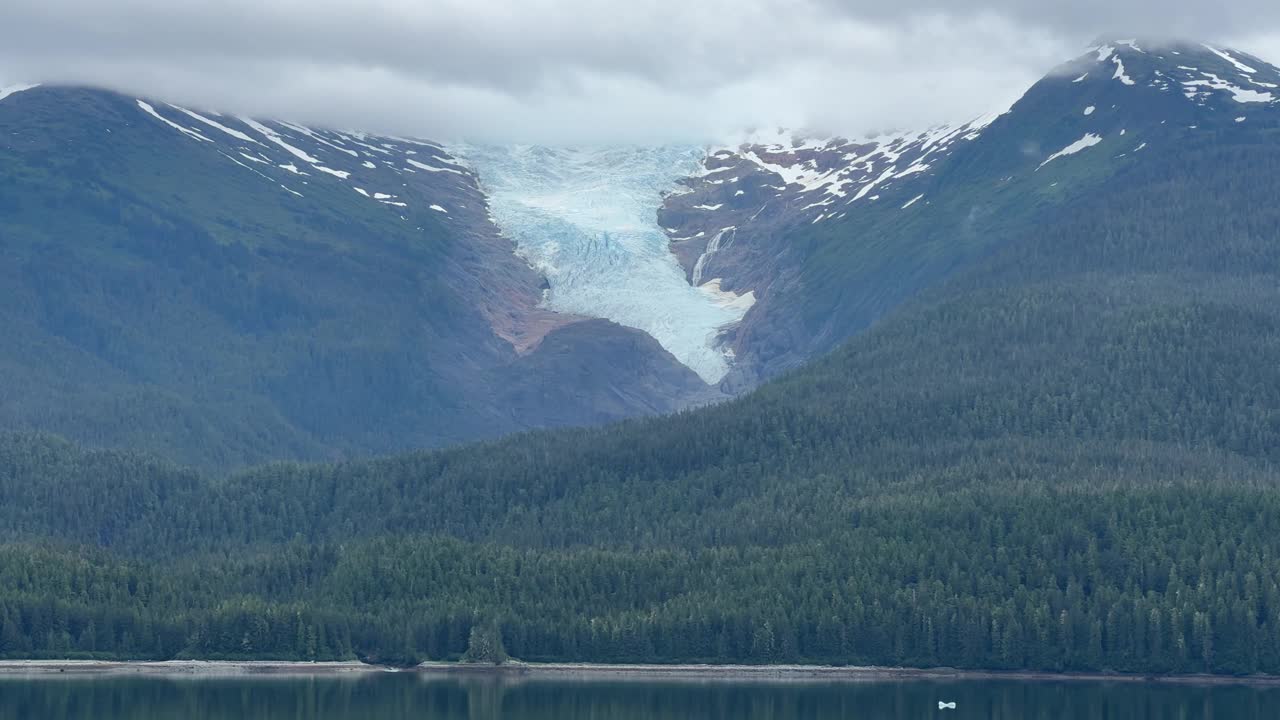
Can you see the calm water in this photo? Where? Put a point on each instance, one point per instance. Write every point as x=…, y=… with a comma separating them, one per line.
x=390, y=697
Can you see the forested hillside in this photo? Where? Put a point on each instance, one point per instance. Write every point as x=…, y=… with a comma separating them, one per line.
x=1064, y=458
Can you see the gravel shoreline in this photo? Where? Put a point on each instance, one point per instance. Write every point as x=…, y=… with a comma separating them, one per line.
x=182, y=667
x=822, y=673
x=587, y=671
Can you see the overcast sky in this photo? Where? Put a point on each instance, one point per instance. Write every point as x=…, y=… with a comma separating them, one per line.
x=592, y=70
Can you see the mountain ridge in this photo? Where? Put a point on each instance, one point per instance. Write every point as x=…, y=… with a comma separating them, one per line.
x=818, y=238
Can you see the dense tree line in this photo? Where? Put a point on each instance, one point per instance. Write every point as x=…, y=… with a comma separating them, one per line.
x=1063, y=459
x=1066, y=477
x=1170, y=577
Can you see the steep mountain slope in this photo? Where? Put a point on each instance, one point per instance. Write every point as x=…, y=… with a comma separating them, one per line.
x=1062, y=456
x=228, y=291
x=831, y=234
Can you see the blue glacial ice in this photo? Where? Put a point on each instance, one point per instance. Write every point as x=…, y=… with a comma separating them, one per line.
x=587, y=219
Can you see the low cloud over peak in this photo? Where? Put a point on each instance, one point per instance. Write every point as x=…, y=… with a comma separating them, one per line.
x=576, y=71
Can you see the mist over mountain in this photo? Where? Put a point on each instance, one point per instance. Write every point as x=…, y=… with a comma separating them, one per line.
x=579, y=72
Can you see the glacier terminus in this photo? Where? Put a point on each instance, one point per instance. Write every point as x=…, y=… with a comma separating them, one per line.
x=587, y=219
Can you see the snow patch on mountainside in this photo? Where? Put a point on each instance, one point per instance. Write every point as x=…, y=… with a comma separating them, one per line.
x=214, y=124
x=1201, y=73
x=1238, y=94
x=6, y=91
x=1226, y=56
x=586, y=219
x=276, y=146
x=1088, y=141
x=816, y=177
x=432, y=168
x=1120, y=74
x=274, y=137
x=194, y=135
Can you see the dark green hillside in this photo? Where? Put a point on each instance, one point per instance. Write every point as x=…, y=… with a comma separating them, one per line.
x=1028, y=555
x=1000, y=191
x=1064, y=458
x=190, y=299
x=1134, y=332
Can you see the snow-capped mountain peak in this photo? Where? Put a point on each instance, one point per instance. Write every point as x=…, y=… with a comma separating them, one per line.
x=754, y=185
x=1208, y=75
x=824, y=174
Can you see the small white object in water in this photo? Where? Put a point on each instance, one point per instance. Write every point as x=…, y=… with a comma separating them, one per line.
x=946, y=705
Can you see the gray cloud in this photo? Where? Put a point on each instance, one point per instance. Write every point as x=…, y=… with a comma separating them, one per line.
x=584, y=70
x=1089, y=18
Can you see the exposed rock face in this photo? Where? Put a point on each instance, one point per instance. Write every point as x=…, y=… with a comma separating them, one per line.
x=502, y=285
x=596, y=371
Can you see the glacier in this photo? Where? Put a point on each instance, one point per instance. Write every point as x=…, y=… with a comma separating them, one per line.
x=587, y=219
